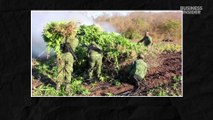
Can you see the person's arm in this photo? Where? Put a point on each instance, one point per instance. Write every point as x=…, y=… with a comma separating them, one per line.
x=141, y=40
x=88, y=51
x=150, y=39
x=131, y=71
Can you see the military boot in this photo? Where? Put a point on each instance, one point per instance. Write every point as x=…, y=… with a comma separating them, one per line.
x=58, y=86
x=136, y=82
x=67, y=89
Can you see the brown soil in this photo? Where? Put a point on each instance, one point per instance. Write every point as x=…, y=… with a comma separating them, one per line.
x=160, y=75
x=103, y=89
x=163, y=74
x=156, y=76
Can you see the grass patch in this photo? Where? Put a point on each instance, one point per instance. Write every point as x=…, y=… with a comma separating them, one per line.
x=174, y=89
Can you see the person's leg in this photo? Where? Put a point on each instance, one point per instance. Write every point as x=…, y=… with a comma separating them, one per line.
x=69, y=70
x=68, y=80
x=136, y=82
x=140, y=81
x=58, y=84
x=91, y=69
x=60, y=77
x=99, y=65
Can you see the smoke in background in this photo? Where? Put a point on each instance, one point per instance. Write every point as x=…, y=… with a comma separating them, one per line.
x=107, y=27
x=41, y=18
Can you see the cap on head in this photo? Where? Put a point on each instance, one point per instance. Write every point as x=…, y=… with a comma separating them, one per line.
x=140, y=56
x=146, y=33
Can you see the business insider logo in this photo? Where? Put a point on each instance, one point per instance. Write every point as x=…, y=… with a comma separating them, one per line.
x=193, y=10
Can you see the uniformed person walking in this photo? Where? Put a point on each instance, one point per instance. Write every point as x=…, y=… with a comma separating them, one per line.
x=95, y=60
x=147, y=39
x=65, y=62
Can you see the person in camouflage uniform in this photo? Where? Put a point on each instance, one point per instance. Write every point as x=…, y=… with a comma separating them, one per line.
x=147, y=39
x=65, y=63
x=138, y=70
x=95, y=59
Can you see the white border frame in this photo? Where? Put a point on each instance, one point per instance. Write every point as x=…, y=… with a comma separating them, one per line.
x=113, y=11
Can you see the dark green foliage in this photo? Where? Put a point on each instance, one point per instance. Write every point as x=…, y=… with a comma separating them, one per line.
x=113, y=45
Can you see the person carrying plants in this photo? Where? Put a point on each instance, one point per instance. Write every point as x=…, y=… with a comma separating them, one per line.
x=61, y=37
x=147, y=39
x=65, y=63
x=95, y=60
x=138, y=71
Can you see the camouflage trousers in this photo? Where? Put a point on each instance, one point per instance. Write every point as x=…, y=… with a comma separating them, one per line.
x=65, y=69
x=95, y=65
x=137, y=80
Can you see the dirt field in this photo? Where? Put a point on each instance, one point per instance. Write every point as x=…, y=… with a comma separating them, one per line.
x=156, y=76
x=161, y=75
